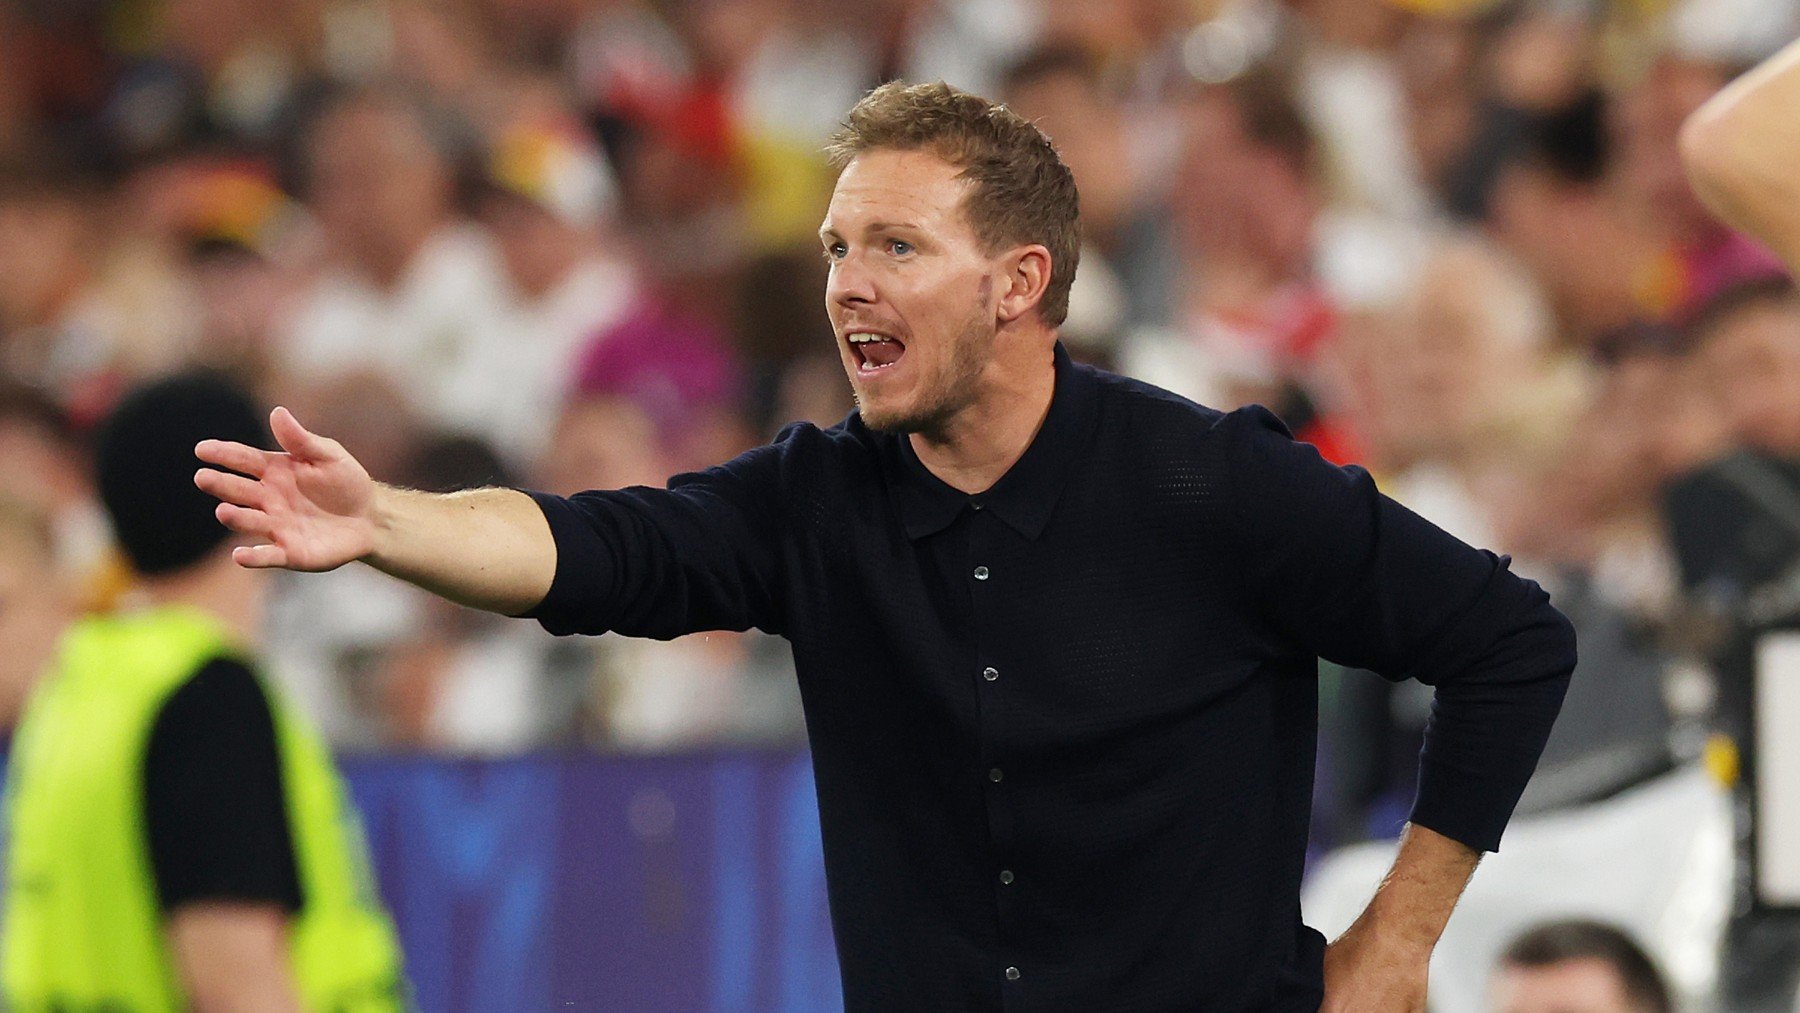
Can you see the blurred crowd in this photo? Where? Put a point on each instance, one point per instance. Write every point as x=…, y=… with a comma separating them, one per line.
x=567, y=244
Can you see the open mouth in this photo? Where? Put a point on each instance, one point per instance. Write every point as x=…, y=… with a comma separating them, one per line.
x=874, y=352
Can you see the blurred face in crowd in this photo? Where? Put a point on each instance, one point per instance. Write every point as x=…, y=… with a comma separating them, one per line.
x=379, y=186
x=1752, y=358
x=1456, y=353
x=1459, y=360
x=43, y=243
x=1589, y=985
x=1086, y=130
x=538, y=248
x=240, y=297
x=911, y=295
x=603, y=442
x=1647, y=124
x=1245, y=205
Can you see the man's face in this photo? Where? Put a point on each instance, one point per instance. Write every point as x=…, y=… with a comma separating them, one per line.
x=1754, y=361
x=910, y=293
x=374, y=177
x=1588, y=985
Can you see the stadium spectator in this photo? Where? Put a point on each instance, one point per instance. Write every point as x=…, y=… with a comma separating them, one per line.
x=547, y=199
x=409, y=292
x=1735, y=521
x=1577, y=965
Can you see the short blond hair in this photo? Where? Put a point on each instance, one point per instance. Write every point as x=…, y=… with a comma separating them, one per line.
x=1022, y=192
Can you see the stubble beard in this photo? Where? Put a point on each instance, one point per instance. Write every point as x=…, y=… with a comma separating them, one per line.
x=946, y=395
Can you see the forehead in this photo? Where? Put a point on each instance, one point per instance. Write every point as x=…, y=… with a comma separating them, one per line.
x=893, y=187
x=1587, y=984
x=1768, y=323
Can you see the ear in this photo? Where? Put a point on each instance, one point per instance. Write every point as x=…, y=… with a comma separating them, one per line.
x=1023, y=285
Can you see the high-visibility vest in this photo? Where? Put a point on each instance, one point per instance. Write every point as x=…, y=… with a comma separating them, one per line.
x=83, y=929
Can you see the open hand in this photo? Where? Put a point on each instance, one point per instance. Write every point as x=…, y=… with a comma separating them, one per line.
x=314, y=506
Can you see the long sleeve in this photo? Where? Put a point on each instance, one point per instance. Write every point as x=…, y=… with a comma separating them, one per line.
x=702, y=554
x=1335, y=568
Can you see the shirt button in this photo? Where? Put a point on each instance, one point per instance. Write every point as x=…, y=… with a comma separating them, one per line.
x=994, y=775
x=976, y=504
x=1012, y=974
x=1006, y=877
x=990, y=674
x=981, y=573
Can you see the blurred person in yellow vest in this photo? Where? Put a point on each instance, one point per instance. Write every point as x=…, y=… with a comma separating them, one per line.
x=179, y=838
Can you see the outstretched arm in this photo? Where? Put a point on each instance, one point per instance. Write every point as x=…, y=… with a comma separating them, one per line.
x=315, y=508
x=1741, y=148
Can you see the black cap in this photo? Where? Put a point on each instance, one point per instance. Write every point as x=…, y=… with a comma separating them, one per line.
x=144, y=466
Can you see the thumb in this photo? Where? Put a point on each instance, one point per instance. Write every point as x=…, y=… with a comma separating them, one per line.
x=295, y=439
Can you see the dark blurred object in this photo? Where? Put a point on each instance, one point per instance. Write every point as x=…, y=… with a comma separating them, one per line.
x=144, y=465
x=1614, y=729
x=1567, y=142
x=779, y=324
x=450, y=462
x=1735, y=524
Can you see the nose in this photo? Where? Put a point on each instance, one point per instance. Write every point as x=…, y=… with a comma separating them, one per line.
x=850, y=283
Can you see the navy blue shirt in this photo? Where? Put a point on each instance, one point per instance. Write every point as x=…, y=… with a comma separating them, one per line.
x=1063, y=731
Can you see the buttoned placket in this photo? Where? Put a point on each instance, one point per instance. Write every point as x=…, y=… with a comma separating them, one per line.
x=986, y=580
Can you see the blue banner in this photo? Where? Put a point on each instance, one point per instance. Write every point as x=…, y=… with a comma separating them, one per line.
x=689, y=882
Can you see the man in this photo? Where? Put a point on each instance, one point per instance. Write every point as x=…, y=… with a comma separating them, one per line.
x=1739, y=150
x=1055, y=630
x=1735, y=521
x=1577, y=967
x=410, y=294
x=179, y=840
x=547, y=194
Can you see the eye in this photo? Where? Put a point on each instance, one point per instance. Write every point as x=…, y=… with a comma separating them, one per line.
x=834, y=251
x=899, y=247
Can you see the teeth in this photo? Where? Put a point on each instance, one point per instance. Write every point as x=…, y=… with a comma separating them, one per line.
x=863, y=338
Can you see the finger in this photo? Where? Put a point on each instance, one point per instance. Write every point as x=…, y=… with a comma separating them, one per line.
x=231, y=488
x=295, y=439
x=235, y=456
x=257, y=557
x=244, y=519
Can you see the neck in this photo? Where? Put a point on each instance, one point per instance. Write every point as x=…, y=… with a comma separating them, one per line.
x=219, y=587
x=980, y=443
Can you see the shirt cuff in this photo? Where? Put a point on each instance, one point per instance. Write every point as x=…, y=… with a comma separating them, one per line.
x=583, y=570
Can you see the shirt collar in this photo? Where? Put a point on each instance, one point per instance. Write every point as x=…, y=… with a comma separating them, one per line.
x=1025, y=496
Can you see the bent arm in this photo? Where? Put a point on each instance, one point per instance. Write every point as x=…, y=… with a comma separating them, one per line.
x=1346, y=573
x=1740, y=150
x=1382, y=960
x=233, y=957
x=485, y=548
